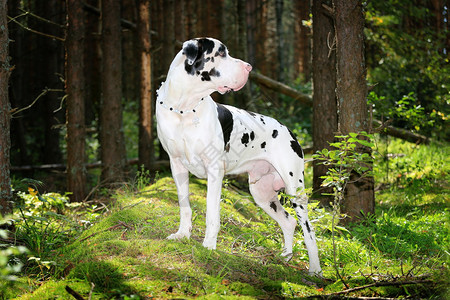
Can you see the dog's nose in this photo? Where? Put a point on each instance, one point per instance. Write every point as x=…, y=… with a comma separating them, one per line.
x=248, y=67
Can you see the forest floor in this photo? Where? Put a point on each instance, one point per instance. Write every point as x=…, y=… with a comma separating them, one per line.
x=400, y=252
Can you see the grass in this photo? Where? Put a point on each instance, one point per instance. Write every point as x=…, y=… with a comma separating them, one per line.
x=125, y=254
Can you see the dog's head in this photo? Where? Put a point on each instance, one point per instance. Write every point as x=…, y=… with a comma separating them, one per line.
x=206, y=62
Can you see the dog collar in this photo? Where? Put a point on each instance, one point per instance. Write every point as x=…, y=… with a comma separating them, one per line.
x=180, y=111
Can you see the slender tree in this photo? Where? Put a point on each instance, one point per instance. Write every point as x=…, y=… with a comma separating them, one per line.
x=351, y=91
x=302, y=41
x=5, y=115
x=111, y=129
x=324, y=98
x=146, y=134
x=75, y=89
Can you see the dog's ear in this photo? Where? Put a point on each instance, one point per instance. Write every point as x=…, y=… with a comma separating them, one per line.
x=190, y=50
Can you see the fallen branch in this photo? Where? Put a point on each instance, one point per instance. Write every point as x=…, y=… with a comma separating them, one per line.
x=381, y=283
x=157, y=165
x=281, y=87
x=119, y=224
x=75, y=294
x=342, y=294
x=307, y=100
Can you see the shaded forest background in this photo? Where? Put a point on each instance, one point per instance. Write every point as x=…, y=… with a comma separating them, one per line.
x=406, y=50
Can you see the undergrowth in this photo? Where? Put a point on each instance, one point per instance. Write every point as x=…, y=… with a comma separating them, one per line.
x=121, y=252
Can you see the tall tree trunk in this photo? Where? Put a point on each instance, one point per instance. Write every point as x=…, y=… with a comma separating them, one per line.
x=5, y=115
x=52, y=54
x=324, y=98
x=243, y=98
x=111, y=132
x=92, y=59
x=146, y=133
x=130, y=79
x=279, y=4
x=75, y=84
x=302, y=43
x=351, y=90
x=251, y=29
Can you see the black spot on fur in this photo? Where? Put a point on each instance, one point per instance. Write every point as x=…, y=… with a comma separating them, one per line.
x=226, y=122
x=252, y=114
x=190, y=51
x=221, y=51
x=301, y=207
x=296, y=147
x=294, y=205
x=301, y=181
x=307, y=227
x=286, y=214
x=275, y=133
x=263, y=145
x=252, y=135
x=196, y=53
x=273, y=206
x=262, y=120
x=292, y=134
x=245, y=139
x=205, y=76
x=206, y=45
x=290, y=173
x=213, y=72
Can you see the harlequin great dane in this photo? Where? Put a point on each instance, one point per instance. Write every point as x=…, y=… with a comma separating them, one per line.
x=210, y=140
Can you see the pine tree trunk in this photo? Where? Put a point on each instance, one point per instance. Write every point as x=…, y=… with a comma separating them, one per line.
x=351, y=90
x=146, y=133
x=52, y=54
x=324, y=98
x=111, y=132
x=5, y=115
x=92, y=59
x=302, y=43
x=75, y=84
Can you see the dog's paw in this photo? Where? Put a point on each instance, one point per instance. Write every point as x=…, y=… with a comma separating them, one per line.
x=287, y=256
x=179, y=236
x=317, y=273
x=211, y=245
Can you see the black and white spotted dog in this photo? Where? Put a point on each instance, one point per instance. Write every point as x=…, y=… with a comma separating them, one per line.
x=210, y=140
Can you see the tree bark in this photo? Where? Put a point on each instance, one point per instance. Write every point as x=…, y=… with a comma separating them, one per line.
x=351, y=91
x=51, y=54
x=112, y=139
x=302, y=43
x=324, y=97
x=146, y=133
x=5, y=115
x=92, y=59
x=75, y=89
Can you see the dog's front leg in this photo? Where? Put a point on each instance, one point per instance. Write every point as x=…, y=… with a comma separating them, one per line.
x=215, y=177
x=181, y=176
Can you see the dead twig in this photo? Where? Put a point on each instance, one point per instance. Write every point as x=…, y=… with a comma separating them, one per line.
x=119, y=224
x=35, y=31
x=15, y=111
x=381, y=283
x=75, y=294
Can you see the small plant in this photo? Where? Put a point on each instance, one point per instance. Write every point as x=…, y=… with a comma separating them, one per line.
x=9, y=264
x=43, y=224
x=345, y=160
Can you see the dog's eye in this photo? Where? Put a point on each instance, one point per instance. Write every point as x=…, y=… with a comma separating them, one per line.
x=222, y=54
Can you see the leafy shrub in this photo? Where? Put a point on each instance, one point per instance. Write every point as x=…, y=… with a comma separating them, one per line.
x=9, y=263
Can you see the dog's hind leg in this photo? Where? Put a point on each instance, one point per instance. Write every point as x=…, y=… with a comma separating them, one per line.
x=262, y=190
x=181, y=176
x=300, y=204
